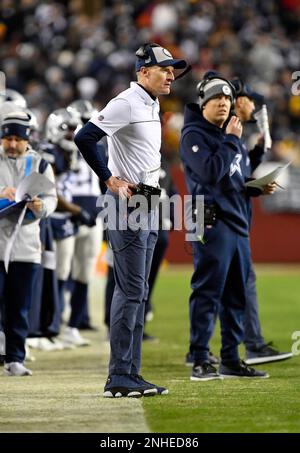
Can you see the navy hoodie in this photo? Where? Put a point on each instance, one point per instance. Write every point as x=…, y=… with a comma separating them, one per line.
x=215, y=166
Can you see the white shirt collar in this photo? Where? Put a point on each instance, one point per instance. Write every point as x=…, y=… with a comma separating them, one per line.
x=146, y=97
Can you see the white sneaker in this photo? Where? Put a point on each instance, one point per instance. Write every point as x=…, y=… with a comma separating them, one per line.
x=16, y=369
x=28, y=356
x=44, y=344
x=47, y=344
x=60, y=345
x=72, y=336
x=41, y=343
x=149, y=316
x=32, y=342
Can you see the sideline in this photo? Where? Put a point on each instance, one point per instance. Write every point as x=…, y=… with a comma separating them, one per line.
x=261, y=268
x=64, y=395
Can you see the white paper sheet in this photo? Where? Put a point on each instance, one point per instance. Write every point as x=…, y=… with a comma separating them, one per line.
x=33, y=185
x=260, y=183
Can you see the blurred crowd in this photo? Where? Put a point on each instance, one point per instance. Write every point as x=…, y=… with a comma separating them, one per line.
x=56, y=51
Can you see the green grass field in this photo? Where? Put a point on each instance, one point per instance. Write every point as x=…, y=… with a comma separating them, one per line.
x=270, y=405
x=64, y=394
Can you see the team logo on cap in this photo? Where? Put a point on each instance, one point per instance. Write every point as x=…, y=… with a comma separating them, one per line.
x=166, y=52
x=226, y=90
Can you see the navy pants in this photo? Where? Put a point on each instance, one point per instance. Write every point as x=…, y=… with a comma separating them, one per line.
x=79, y=304
x=219, y=286
x=158, y=256
x=44, y=314
x=131, y=270
x=253, y=337
x=109, y=292
x=16, y=293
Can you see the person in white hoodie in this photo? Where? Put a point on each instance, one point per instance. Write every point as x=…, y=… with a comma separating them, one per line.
x=16, y=286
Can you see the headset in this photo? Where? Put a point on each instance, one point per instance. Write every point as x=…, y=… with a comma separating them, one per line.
x=211, y=76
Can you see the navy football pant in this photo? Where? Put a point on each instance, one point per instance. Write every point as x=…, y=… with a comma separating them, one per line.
x=253, y=336
x=133, y=253
x=221, y=269
x=16, y=293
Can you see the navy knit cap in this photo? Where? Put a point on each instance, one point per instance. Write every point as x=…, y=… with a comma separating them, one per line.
x=210, y=88
x=17, y=124
x=152, y=54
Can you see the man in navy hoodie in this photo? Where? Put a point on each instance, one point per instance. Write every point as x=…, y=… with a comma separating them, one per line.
x=257, y=349
x=215, y=164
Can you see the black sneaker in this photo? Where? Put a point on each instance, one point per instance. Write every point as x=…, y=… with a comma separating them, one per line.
x=88, y=327
x=212, y=359
x=204, y=372
x=150, y=338
x=240, y=370
x=160, y=390
x=266, y=353
x=125, y=385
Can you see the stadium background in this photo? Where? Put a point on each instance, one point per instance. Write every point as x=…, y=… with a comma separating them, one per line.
x=56, y=51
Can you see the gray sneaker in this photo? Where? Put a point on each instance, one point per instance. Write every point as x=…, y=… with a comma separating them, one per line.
x=240, y=370
x=265, y=354
x=16, y=369
x=204, y=372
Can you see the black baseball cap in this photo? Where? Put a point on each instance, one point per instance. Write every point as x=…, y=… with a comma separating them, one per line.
x=243, y=89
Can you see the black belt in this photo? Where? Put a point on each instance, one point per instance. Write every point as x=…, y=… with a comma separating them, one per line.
x=147, y=192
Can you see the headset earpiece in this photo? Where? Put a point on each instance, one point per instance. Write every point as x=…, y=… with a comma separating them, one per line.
x=201, y=85
x=143, y=51
x=200, y=89
x=239, y=86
